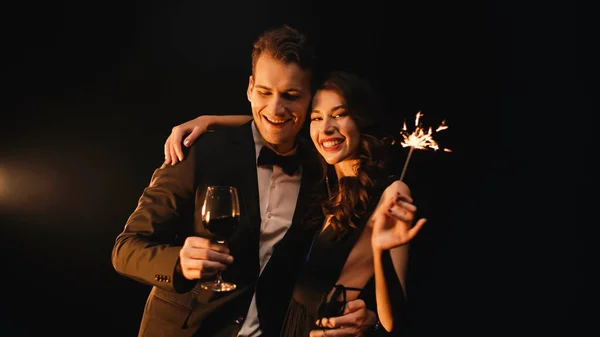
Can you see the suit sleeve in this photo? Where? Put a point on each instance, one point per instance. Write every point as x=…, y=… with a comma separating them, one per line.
x=147, y=250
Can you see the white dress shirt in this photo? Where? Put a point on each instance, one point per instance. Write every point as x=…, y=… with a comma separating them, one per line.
x=278, y=194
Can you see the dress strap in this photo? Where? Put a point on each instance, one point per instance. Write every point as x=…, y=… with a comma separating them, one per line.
x=335, y=306
x=347, y=288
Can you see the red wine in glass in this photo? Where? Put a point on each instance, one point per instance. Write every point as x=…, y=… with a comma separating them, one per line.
x=221, y=228
x=221, y=217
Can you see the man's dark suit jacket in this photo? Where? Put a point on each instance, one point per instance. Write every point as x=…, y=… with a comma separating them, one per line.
x=148, y=248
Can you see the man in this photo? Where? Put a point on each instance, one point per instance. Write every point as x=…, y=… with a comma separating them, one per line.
x=163, y=243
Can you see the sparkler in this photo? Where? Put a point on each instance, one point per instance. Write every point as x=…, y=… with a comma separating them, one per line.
x=419, y=139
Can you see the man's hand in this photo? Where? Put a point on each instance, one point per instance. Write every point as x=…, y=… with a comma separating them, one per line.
x=199, y=257
x=355, y=321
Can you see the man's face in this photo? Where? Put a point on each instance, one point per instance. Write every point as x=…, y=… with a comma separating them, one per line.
x=279, y=95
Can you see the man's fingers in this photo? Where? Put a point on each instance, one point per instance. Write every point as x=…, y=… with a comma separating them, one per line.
x=326, y=322
x=201, y=249
x=354, y=305
x=199, y=242
x=207, y=254
x=349, y=318
x=345, y=332
x=196, y=269
x=203, y=265
x=201, y=258
x=354, y=312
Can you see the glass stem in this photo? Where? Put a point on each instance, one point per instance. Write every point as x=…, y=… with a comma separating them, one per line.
x=219, y=280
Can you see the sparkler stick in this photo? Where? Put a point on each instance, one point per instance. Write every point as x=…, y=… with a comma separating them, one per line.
x=406, y=162
x=419, y=139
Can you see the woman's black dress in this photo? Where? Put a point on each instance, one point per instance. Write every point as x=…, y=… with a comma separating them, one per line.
x=327, y=258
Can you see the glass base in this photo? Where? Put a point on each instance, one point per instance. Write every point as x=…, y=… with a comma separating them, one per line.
x=218, y=286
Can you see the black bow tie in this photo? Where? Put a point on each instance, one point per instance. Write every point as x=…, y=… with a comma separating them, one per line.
x=289, y=164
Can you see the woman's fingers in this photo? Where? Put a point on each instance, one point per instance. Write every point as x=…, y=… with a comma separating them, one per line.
x=189, y=140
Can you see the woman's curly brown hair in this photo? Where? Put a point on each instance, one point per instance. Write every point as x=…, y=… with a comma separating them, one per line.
x=350, y=200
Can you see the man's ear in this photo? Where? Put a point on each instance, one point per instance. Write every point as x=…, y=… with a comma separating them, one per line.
x=250, y=87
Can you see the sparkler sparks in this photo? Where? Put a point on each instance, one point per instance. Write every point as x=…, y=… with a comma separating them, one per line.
x=419, y=139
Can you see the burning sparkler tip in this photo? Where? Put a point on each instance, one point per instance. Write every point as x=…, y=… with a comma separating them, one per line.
x=419, y=139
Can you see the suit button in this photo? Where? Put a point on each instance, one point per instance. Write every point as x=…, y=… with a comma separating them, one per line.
x=239, y=320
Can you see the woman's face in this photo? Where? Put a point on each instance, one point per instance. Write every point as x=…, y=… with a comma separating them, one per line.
x=333, y=131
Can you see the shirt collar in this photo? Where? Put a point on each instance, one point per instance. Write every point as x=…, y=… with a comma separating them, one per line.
x=259, y=142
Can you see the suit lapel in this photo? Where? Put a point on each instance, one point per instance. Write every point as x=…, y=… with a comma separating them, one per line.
x=245, y=151
x=300, y=227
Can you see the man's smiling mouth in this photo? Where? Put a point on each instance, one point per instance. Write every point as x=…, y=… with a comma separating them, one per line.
x=277, y=121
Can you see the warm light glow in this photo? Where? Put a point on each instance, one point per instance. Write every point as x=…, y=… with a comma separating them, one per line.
x=3, y=183
x=63, y=190
x=27, y=187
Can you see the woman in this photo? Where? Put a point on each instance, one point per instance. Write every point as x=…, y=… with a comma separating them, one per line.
x=362, y=248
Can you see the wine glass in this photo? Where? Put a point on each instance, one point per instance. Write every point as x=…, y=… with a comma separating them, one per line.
x=220, y=216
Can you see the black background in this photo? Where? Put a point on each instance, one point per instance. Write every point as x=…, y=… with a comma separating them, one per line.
x=92, y=89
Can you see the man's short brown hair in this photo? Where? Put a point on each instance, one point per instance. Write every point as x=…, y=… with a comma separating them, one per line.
x=287, y=45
